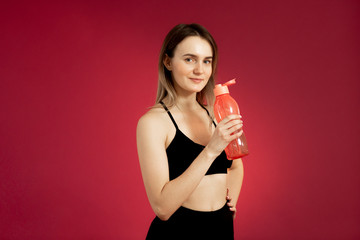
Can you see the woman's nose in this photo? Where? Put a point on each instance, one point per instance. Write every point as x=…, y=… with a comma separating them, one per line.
x=199, y=68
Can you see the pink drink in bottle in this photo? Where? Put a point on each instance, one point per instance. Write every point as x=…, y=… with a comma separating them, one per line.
x=224, y=106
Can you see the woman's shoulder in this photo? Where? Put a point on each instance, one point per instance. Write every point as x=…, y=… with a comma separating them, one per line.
x=155, y=117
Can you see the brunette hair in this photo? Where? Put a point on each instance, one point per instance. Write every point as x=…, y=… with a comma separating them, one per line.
x=165, y=81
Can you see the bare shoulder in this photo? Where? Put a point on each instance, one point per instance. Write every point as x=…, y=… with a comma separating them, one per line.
x=153, y=119
x=151, y=135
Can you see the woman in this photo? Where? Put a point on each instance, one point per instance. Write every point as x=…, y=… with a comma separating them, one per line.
x=191, y=186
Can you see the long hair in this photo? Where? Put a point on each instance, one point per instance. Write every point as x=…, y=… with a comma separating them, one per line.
x=165, y=81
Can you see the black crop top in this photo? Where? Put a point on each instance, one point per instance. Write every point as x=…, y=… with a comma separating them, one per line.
x=182, y=151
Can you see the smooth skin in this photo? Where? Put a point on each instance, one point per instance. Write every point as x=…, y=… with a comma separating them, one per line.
x=191, y=68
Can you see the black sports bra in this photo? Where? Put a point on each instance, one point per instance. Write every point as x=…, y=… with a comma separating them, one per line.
x=182, y=151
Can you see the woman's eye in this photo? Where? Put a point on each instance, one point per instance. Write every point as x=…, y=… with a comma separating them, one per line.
x=188, y=60
x=207, y=61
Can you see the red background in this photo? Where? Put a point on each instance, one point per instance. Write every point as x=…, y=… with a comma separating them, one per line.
x=76, y=76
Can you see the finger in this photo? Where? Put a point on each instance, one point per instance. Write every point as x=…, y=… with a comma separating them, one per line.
x=227, y=135
x=239, y=133
x=232, y=123
x=235, y=135
x=233, y=209
x=231, y=127
x=231, y=117
x=235, y=127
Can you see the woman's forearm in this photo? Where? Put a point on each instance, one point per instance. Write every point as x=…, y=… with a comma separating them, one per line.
x=235, y=179
x=178, y=190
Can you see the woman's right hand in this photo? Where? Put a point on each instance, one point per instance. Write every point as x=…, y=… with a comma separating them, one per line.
x=227, y=130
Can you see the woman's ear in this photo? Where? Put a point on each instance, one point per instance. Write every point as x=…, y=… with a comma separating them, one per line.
x=167, y=62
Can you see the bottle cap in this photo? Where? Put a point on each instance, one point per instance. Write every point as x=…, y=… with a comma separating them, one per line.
x=222, y=88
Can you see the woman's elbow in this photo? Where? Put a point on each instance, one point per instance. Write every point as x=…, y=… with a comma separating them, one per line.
x=163, y=213
x=163, y=217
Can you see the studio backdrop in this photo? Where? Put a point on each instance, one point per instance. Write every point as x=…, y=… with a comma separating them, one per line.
x=75, y=77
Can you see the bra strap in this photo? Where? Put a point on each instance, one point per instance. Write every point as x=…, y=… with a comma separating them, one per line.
x=172, y=119
x=208, y=114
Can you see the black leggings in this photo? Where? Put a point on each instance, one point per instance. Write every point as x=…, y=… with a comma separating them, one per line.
x=190, y=224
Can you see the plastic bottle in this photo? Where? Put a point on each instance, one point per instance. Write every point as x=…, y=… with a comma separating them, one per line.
x=224, y=106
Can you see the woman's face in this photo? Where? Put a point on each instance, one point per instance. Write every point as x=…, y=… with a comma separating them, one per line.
x=191, y=65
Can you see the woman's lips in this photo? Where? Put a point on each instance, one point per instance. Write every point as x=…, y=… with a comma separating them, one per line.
x=197, y=80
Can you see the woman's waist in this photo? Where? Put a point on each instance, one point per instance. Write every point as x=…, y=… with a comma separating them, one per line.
x=210, y=194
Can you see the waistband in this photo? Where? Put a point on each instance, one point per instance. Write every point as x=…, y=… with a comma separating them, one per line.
x=190, y=212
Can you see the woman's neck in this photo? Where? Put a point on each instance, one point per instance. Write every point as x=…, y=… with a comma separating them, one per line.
x=186, y=103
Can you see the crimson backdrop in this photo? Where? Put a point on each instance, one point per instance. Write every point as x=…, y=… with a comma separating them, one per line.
x=75, y=76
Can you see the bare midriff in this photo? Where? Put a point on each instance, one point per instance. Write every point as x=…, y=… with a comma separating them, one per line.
x=210, y=194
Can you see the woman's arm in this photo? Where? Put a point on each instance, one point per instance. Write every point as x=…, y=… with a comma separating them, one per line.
x=234, y=182
x=166, y=196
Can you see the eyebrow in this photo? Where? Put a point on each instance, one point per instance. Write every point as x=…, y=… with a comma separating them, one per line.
x=192, y=55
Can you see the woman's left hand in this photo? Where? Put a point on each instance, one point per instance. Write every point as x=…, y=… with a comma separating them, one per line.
x=230, y=204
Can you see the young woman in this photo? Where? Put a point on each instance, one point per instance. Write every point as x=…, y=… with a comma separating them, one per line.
x=190, y=184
